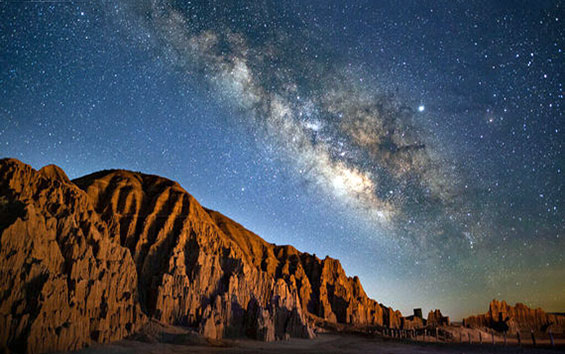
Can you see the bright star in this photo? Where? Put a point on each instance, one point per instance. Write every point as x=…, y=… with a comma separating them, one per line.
x=421, y=108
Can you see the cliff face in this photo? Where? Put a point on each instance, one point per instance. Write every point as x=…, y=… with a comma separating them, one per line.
x=191, y=272
x=520, y=317
x=65, y=282
x=222, y=275
x=90, y=260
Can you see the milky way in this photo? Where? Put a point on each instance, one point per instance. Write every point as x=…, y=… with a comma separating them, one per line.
x=420, y=142
x=348, y=139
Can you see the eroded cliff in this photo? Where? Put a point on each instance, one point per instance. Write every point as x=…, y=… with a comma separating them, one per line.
x=65, y=282
x=91, y=259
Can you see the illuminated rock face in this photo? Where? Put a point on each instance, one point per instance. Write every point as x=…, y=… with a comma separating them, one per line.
x=503, y=317
x=198, y=267
x=191, y=272
x=90, y=260
x=65, y=281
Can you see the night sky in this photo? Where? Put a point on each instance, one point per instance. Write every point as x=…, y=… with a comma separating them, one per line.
x=419, y=142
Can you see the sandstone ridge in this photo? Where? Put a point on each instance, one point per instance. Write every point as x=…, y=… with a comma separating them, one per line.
x=90, y=260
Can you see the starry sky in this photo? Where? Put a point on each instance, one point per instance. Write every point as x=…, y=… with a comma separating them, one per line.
x=419, y=142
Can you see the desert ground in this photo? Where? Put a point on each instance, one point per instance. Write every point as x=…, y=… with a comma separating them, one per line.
x=158, y=339
x=325, y=343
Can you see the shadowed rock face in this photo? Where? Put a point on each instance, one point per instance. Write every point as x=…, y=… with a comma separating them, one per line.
x=89, y=260
x=520, y=317
x=65, y=282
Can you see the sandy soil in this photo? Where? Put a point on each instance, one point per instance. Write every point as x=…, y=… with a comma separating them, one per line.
x=324, y=343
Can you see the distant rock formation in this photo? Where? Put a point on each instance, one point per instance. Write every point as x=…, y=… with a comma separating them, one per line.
x=436, y=319
x=414, y=321
x=503, y=317
x=90, y=260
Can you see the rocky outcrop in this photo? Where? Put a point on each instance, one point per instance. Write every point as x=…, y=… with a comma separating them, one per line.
x=190, y=271
x=89, y=260
x=503, y=317
x=436, y=319
x=65, y=282
x=414, y=321
x=199, y=268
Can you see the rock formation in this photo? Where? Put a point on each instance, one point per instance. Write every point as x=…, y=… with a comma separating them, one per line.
x=503, y=317
x=190, y=271
x=436, y=319
x=65, y=281
x=90, y=260
x=179, y=245
x=414, y=321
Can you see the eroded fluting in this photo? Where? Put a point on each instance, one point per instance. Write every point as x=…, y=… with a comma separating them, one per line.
x=89, y=260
